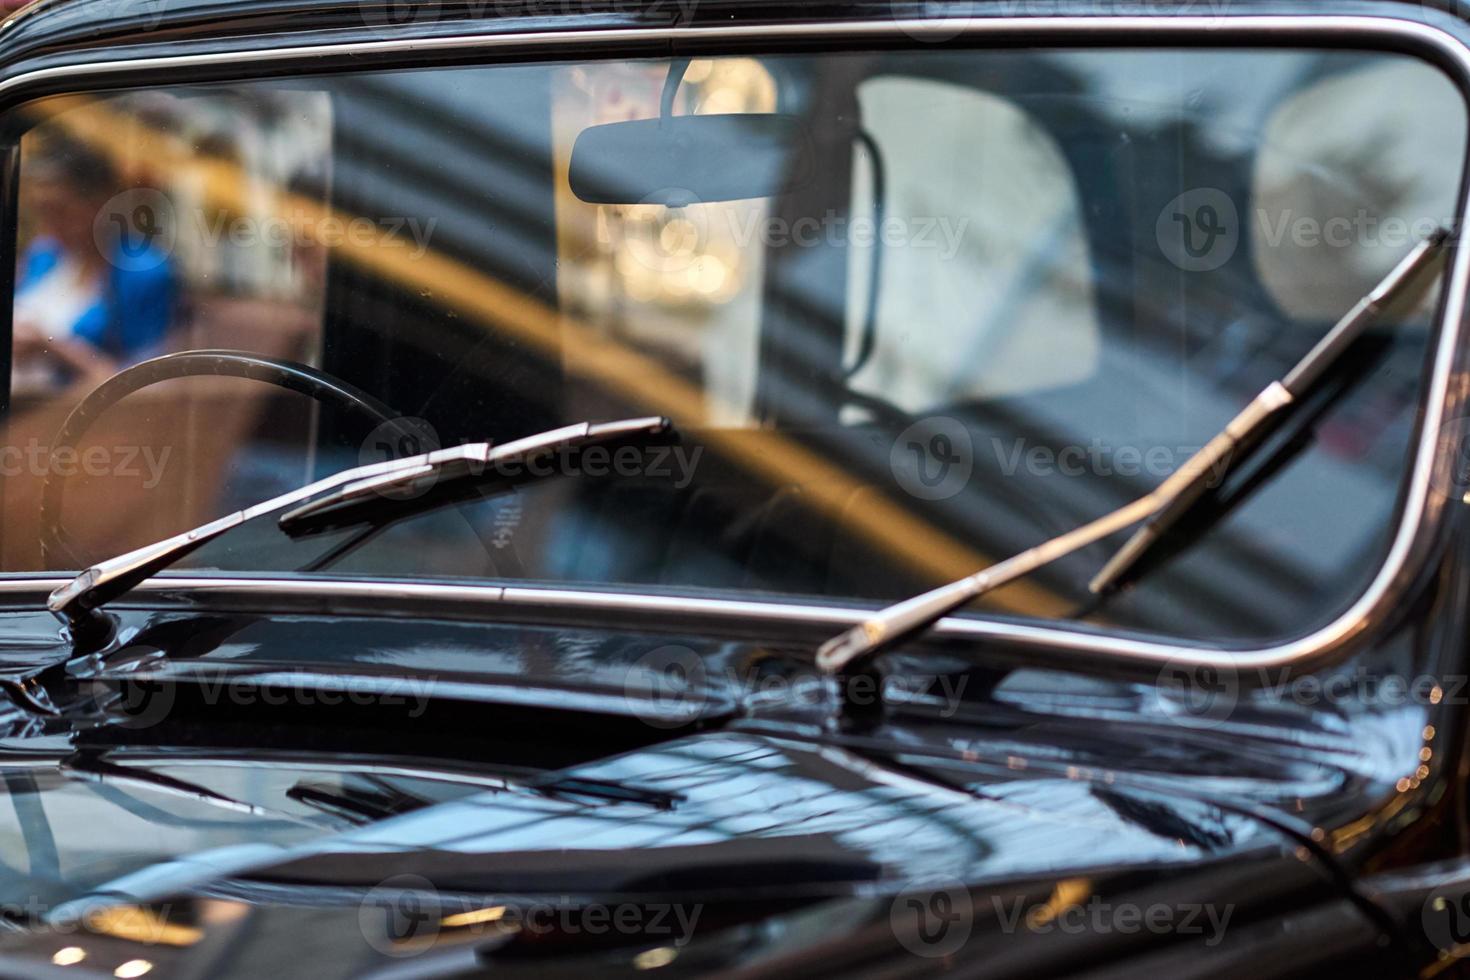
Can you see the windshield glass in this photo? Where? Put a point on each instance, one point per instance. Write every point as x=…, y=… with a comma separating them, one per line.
x=910, y=311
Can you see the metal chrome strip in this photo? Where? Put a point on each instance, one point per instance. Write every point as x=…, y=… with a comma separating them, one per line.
x=1421, y=509
x=1223, y=30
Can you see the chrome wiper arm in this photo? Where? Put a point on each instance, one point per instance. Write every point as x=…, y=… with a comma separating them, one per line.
x=476, y=462
x=1165, y=504
x=1295, y=385
x=106, y=580
x=76, y=601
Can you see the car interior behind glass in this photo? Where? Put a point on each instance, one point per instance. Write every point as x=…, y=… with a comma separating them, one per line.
x=956, y=336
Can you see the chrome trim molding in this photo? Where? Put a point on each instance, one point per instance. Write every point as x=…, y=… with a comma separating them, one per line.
x=1043, y=642
x=1273, y=28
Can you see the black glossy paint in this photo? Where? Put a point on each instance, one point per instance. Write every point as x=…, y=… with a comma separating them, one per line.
x=569, y=786
x=740, y=803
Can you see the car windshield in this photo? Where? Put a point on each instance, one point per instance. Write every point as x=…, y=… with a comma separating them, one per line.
x=909, y=310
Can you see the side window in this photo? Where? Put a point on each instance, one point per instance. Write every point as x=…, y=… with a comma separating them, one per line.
x=984, y=288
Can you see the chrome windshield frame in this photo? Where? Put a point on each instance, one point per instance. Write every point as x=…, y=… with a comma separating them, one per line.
x=1042, y=643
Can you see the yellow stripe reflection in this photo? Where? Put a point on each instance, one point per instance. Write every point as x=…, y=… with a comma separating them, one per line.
x=906, y=537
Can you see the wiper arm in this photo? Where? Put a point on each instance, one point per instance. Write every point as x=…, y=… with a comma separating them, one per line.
x=404, y=488
x=1162, y=507
x=76, y=602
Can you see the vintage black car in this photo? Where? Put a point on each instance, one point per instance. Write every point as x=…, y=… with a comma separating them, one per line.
x=581, y=487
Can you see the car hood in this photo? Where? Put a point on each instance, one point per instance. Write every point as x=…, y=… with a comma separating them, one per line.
x=182, y=840
x=739, y=827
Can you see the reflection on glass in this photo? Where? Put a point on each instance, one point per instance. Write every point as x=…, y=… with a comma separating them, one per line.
x=994, y=294
x=88, y=300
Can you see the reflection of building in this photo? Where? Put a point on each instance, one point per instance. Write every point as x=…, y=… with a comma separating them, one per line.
x=685, y=280
x=1055, y=322
x=1025, y=293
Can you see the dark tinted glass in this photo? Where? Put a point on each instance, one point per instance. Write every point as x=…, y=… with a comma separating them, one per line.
x=1008, y=292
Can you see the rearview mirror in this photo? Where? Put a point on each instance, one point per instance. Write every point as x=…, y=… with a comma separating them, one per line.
x=681, y=160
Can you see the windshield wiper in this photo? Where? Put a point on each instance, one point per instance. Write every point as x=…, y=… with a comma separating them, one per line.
x=480, y=462
x=423, y=481
x=1161, y=508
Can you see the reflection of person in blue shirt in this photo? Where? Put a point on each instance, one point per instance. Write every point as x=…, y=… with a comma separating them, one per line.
x=90, y=298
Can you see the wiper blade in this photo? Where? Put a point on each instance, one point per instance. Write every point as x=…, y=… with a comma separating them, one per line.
x=76, y=602
x=1300, y=381
x=397, y=490
x=1162, y=507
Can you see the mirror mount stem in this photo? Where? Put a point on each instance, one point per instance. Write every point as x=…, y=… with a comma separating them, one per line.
x=677, y=68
